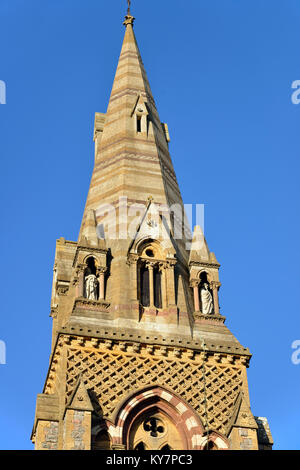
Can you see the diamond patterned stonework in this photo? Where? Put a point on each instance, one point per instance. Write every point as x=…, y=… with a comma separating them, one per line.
x=111, y=375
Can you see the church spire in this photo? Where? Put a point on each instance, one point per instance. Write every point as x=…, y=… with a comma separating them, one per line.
x=132, y=157
x=139, y=344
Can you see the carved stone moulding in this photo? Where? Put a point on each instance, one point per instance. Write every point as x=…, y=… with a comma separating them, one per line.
x=166, y=343
x=204, y=264
x=62, y=287
x=95, y=305
x=208, y=318
x=83, y=251
x=207, y=354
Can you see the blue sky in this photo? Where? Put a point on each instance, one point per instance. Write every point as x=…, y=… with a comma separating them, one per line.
x=221, y=74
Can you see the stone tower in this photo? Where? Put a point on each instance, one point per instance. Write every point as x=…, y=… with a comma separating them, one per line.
x=141, y=357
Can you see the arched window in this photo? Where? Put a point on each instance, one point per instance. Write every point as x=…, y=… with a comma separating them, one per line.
x=151, y=275
x=150, y=289
x=145, y=289
x=139, y=123
x=157, y=287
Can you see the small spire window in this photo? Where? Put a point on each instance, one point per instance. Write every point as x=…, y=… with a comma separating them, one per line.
x=157, y=287
x=139, y=123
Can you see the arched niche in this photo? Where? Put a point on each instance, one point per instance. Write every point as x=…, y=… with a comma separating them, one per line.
x=91, y=266
x=91, y=283
x=204, y=291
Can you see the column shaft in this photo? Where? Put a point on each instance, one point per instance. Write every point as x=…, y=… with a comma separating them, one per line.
x=196, y=298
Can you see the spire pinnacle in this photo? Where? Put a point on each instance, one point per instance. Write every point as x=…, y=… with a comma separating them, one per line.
x=129, y=19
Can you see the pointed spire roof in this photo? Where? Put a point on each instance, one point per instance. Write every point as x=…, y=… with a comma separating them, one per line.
x=130, y=161
x=199, y=249
x=131, y=77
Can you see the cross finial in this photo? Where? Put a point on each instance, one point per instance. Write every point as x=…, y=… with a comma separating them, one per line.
x=128, y=18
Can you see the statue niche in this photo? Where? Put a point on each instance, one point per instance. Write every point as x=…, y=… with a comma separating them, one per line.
x=91, y=281
x=206, y=300
x=207, y=304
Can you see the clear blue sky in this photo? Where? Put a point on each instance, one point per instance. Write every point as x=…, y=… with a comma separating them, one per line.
x=221, y=74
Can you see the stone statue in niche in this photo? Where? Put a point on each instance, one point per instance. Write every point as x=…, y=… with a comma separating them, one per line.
x=91, y=287
x=206, y=300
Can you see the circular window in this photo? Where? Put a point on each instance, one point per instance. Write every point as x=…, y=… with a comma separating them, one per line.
x=149, y=252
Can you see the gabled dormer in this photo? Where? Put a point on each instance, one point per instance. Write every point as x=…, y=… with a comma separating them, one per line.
x=140, y=116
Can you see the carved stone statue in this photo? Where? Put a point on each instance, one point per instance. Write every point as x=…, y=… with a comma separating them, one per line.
x=206, y=300
x=91, y=285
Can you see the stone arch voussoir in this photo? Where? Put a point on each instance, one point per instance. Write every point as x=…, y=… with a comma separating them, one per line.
x=177, y=409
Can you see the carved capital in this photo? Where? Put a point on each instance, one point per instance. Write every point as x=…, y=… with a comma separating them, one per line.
x=162, y=266
x=150, y=264
x=101, y=270
x=80, y=268
x=171, y=263
x=194, y=283
x=214, y=284
x=132, y=259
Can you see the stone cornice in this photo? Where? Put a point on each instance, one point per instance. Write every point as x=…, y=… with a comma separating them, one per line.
x=152, y=339
x=203, y=318
x=167, y=351
x=204, y=263
x=92, y=304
